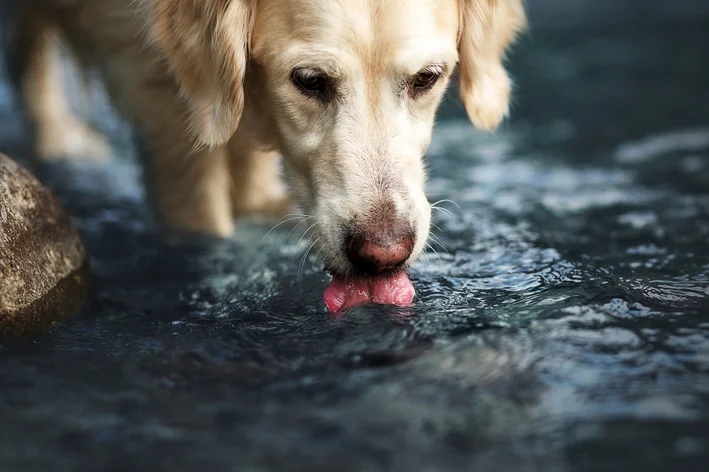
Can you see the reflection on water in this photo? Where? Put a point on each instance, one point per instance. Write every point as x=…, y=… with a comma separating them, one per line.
x=561, y=319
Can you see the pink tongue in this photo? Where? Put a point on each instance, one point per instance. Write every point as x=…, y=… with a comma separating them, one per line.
x=342, y=295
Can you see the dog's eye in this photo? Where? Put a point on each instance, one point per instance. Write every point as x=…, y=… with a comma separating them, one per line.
x=311, y=83
x=424, y=81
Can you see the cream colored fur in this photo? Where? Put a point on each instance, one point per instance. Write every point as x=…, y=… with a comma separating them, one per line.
x=208, y=84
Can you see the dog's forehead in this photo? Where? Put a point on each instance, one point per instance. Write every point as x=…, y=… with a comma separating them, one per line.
x=373, y=30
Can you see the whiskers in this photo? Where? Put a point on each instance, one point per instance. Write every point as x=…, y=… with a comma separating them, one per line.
x=305, y=257
x=287, y=219
x=437, y=206
x=429, y=248
x=299, y=220
x=433, y=237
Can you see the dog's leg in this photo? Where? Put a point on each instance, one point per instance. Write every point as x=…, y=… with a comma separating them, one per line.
x=190, y=189
x=256, y=185
x=189, y=186
x=36, y=70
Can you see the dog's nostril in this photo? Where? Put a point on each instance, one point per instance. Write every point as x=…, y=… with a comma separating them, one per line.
x=379, y=254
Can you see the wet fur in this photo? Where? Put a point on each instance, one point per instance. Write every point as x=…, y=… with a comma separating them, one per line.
x=206, y=85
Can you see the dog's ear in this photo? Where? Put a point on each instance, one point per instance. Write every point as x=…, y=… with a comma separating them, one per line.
x=206, y=43
x=487, y=29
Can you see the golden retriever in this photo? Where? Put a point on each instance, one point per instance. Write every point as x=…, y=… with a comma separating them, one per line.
x=346, y=91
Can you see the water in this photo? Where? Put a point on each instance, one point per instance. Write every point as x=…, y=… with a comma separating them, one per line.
x=561, y=324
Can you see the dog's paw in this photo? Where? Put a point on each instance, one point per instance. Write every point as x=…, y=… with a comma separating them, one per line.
x=71, y=140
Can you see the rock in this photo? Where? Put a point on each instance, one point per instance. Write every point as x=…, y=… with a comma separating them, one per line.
x=44, y=273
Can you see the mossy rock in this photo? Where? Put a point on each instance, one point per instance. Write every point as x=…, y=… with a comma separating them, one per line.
x=44, y=273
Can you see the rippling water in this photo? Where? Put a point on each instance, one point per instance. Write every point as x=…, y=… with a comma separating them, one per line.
x=562, y=322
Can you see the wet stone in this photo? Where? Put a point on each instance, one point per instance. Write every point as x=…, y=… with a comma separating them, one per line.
x=43, y=265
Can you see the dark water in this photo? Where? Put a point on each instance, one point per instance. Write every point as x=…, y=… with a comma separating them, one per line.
x=563, y=323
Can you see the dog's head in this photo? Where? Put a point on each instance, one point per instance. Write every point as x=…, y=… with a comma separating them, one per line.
x=351, y=89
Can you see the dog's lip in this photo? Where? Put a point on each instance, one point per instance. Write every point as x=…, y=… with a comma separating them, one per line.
x=365, y=274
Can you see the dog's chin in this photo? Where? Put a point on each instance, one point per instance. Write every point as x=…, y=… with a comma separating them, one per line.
x=353, y=288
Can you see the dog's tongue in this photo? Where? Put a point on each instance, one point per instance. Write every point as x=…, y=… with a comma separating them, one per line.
x=344, y=294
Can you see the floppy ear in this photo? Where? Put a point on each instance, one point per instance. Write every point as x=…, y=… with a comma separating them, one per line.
x=206, y=43
x=488, y=28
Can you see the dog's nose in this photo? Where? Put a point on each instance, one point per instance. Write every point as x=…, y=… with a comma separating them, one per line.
x=379, y=254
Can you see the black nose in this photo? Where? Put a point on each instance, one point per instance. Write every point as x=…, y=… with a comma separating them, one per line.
x=372, y=252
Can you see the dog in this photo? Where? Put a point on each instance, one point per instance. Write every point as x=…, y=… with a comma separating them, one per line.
x=345, y=92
